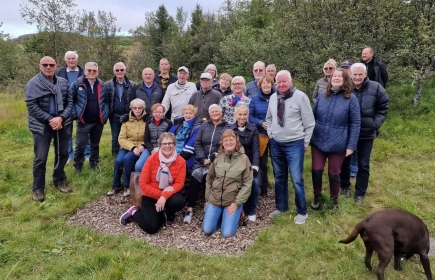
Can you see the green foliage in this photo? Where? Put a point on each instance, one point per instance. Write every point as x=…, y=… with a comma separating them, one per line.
x=125, y=42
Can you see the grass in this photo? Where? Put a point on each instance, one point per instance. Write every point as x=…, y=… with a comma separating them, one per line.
x=37, y=243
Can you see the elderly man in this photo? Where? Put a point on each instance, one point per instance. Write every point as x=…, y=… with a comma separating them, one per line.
x=178, y=94
x=376, y=69
x=271, y=70
x=290, y=124
x=224, y=85
x=253, y=88
x=118, y=91
x=71, y=72
x=373, y=101
x=205, y=97
x=49, y=107
x=92, y=111
x=149, y=91
x=163, y=78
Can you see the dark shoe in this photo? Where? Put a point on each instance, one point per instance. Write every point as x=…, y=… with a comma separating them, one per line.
x=38, y=195
x=94, y=167
x=263, y=193
x=127, y=216
x=170, y=219
x=359, y=199
x=78, y=170
x=317, y=203
x=345, y=192
x=63, y=187
x=334, y=205
x=114, y=190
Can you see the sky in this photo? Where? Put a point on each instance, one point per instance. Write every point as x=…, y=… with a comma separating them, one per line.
x=129, y=13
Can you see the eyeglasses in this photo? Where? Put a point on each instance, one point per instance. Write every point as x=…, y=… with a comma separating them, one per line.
x=48, y=64
x=91, y=71
x=157, y=112
x=137, y=108
x=258, y=70
x=167, y=144
x=328, y=68
x=237, y=84
x=119, y=70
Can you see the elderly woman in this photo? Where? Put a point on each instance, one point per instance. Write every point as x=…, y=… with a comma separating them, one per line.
x=248, y=137
x=224, y=85
x=185, y=130
x=321, y=84
x=257, y=115
x=212, y=70
x=155, y=125
x=206, y=147
x=228, y=186
x=335, y=135
x=161, y=182
x=131, y=144
x=230, y=101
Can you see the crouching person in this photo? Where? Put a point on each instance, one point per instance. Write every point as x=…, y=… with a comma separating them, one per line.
x=228, y=186
x=161, y=181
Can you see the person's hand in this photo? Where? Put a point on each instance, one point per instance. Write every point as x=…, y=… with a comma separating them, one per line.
x=270, y=136
x=56, y=123
x=136, y=151
x=231, y=209
x=305, y=149
x=205, y=205
x=264, y=125
x=212, y=157
x=207, y=162
x=168, y=189
x=348, y=152
x=160, y=205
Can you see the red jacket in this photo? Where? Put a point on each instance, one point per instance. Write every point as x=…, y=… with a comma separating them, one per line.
x=148, y=183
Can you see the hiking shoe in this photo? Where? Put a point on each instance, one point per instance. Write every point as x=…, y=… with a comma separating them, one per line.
x=345, y=192
x=359, y=199
x=69, y=160
x=38, y=195
x=334, y=205
x=274, y=214
x=127, y=217
x=317, y=202
x=86, y=158
x=188, y=218
x=300, y=219
x=78, y=170
x=252, y=218
x=114, y=190
x=94, y=167
x=63, y=187
x=126, y=192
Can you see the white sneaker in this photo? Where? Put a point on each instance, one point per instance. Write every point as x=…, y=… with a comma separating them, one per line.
x=300, y=219
x=252, y=218
x=126, y=193
x=274, y=214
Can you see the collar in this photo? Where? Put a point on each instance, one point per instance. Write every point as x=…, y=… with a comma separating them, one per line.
x=75, y=70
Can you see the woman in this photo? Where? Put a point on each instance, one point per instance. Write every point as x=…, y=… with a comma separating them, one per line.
x=224, y=85
x=248, y=137
x=228, y=186
x=161, y=181
x=155, y=125
x=321, y=84
x=230, y=101
x=257, y=115
x=335, y=135
x=131, y=144
x=206, y=147
x=185, y=130
x=212, y=70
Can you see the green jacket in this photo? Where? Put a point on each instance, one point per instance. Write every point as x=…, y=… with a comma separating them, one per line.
x=229, y=179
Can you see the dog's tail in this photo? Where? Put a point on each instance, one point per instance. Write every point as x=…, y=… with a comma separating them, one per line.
x=353, y=235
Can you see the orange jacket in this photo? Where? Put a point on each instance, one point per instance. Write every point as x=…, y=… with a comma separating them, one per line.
x=148, y=183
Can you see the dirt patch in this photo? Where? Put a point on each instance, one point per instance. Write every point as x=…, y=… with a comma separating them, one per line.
x=103, y=215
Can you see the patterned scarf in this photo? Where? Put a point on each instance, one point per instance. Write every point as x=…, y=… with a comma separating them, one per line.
x=163, y=175
x=235, y=99
x=181, y=135
x=281, y=98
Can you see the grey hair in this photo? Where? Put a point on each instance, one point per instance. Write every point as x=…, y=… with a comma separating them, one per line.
x=120, y=63
x=238, y=78
x=238, y=107
x=137, y=101
x=332, y=62
x=358, y=65
x=284, y=72
x=210, y=66
x=71, y=52
x=260, y=62
x=271, y=65
x=214, y=106
x=169, y=135
x=91, y=63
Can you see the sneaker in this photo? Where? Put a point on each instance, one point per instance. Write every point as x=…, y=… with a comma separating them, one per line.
x=345, y=192
x=252, y=218
x=126, y=192
x=359, y=199
x=94, y=167
x=127, y=216
x=170, y=220
x=317, y=203
x=334, y=205
x=38, y=195
x=63, y=187
x=86, y=158
x=275, y=213
x=113, y=190
x=300, y=219
x=188, y=218
x=69, y=160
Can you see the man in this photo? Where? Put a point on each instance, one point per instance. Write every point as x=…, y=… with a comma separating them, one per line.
x=149, y=91
x=71, y=72
x=376, y=69
x=346, y=66
x=178, y=94
x=163, y=78
x=373, y=101
x=206, y=96
x=118, y=91
x=290, y=124
x=50, y=107
x=92, y=111
x=224, y=85
x=271, y=70
x=252, y=88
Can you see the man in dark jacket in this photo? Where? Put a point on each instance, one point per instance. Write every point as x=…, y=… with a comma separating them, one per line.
x=118, y=91
x=373, y=102
x=149, y=91
x=163, y=78
x=50, y=106
x=91, y=111
x=205, y=97
x=376, y=69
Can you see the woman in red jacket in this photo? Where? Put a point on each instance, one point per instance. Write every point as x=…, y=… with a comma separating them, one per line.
x=161, y=181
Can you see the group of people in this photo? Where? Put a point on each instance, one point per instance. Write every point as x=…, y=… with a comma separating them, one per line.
x=219, y=133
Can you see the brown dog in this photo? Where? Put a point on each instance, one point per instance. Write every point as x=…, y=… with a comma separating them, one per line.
x=393, y=232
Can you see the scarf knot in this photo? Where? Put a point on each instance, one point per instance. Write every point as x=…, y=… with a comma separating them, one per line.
x=281, y=98
x=164, y=176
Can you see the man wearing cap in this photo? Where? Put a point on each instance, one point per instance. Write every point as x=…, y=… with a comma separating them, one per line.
x=376, y=69
x=205, y=97
x=346, y=66
x=179, y=93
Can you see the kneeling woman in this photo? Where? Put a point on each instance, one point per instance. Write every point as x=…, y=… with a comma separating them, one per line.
x=228, y=186
x=161, y=181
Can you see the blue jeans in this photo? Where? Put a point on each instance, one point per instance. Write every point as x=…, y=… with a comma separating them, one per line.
x=70, y=146
x=229, y=222
x=252, y=202
x=285, y=156
x=115, y=129
x=141, y=161
x=125, y=160
x=353, y=165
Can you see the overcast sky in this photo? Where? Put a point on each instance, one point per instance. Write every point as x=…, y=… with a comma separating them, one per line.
x=129, y=13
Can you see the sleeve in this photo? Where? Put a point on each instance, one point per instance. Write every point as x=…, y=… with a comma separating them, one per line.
x=170, y=124
x=122, y=138
x=178, y=183
x=384, y=74
x=166, y=102
x=307, y=118
x=189, y=147
x=354, y=123
x=252, y=118
x=381, y=108
x=68, y=107
x=147, y=139
x=256, y=150
x=211, y=175
x=145, y=181
x=199, y=151
x=316, y=92
x=245, y=187
x=269, y=119
x=73, y=92
x=35, y=110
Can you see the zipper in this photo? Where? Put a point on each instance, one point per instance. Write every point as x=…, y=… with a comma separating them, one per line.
x=211, y=143
x=222, y=192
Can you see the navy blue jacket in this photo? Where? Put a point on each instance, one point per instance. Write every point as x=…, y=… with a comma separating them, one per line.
x=250, y=142
x=258, y=110
x=110, y=91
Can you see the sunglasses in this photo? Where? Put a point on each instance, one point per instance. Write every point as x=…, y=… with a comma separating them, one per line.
x=328, y=68
x=119, y=70
x=167, y=144
x=92, y=71
x=48, y=64
x=137, y=108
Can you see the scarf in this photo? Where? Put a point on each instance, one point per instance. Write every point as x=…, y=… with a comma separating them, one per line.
x=40, y=86
x=235, y=99
x=334, y=90
x=181, y=135
x=281, y=98
x=163, y=175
